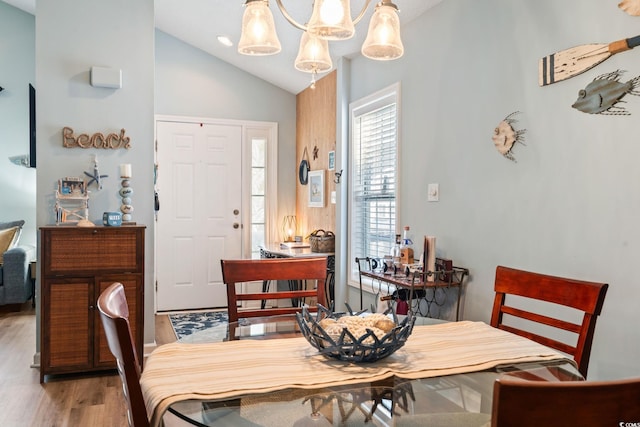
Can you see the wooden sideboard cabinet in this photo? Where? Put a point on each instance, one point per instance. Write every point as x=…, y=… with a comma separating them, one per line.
x=78, y=263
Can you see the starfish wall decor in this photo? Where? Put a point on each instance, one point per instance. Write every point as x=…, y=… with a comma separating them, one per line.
x=95, y=177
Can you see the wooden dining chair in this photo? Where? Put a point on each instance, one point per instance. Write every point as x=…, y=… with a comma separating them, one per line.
x=295, y=270
x=585, y=297
x=561, y=404
x=114, y=314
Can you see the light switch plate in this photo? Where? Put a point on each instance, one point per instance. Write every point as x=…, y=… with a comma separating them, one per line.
x=433, y=193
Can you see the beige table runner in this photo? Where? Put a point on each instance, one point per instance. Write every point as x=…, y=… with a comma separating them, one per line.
x=177, y=371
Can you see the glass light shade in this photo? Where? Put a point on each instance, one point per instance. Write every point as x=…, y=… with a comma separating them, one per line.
x=331, y=20
x=383, y=41
x=258, y=30
x=313, y=55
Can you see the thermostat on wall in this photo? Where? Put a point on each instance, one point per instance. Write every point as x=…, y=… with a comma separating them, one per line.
x=106, y=77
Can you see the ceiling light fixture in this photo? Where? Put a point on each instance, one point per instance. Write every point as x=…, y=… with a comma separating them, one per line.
x=330, y=20
x=383, y=41
x=258, y=30
x=313, y=56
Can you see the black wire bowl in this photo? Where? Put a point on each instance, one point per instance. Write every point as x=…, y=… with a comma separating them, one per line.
x=367, y=347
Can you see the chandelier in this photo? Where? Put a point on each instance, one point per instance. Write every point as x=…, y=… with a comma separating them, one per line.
x=330, y=20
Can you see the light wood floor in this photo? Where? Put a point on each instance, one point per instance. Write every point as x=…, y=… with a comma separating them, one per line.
x=88, y=400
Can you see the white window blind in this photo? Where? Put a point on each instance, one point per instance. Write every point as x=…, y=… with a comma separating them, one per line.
x=374, y=166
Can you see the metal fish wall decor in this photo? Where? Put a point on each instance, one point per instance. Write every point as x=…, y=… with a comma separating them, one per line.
x=505, y=137
x=604, y=92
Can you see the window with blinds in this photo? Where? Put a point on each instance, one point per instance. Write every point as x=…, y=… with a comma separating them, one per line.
x=374, y=156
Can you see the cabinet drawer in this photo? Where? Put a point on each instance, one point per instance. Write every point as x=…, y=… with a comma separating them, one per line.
x=80, y=250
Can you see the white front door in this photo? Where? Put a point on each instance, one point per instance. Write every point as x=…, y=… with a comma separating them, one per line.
x=200, y=220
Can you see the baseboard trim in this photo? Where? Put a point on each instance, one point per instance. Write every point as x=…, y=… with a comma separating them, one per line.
x=148, y=348
x=36, y=360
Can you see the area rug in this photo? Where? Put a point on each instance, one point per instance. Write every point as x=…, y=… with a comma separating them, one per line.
x=207, y=326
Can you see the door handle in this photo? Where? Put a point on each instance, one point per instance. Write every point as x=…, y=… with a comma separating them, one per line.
x=236, y=225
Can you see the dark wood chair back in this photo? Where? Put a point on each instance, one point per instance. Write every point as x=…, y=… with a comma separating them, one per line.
x=295, y=270
x=561, y=404
x=114, y=314
x=586, y=297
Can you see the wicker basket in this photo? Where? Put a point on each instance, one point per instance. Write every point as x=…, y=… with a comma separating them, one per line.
x=322, y=241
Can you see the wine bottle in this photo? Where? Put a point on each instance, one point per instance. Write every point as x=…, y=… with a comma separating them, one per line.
x=396, y=254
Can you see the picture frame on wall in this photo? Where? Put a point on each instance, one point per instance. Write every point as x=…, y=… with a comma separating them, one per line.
x=316, y=189
x=72, y=187
x=332, y=160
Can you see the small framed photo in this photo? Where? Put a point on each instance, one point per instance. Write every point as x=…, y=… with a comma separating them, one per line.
x=72, y=187
x=332, y=160
x=316, y=189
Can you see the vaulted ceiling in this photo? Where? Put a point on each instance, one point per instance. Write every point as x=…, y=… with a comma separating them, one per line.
x=200, y=22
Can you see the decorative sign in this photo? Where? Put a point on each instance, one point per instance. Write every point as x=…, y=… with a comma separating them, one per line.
x=571, y=62
x=97, y=140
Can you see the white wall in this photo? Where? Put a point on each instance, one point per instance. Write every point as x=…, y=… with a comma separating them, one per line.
x=190, y=82
x=72, y=36
x=570, y=205
x=17, y=70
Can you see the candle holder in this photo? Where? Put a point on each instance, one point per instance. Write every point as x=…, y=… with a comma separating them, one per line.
x=126, y=192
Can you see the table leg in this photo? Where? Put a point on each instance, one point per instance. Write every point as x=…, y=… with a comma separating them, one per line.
x=265, y=288
x=296, y=285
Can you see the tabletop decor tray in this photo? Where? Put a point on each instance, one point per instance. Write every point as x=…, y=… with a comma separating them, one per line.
x=355, y=337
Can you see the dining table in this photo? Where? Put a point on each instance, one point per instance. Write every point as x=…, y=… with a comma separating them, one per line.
x=263, y=372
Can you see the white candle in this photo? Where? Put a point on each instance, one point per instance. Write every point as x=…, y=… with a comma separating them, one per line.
x=125, y=170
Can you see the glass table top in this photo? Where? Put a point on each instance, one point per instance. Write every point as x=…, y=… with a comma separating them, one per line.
x=455, y=400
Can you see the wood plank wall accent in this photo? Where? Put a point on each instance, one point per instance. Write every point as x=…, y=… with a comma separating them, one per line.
x=316, y=126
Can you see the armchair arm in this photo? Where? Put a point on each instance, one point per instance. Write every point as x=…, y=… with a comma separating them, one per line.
x=16, y=280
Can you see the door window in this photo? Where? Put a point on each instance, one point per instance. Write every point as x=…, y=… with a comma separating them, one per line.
x=262, y=163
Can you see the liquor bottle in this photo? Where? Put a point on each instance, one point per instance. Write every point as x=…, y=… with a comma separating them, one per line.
x=396, y=254
x=406, y=249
